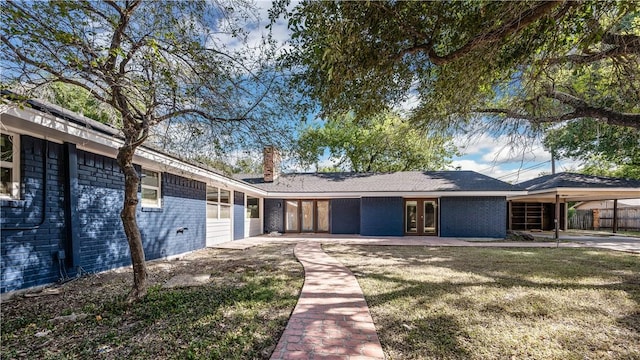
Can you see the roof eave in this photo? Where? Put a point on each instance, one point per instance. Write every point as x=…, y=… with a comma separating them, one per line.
x=32, y=122
x=403, y=194
x=578, y=194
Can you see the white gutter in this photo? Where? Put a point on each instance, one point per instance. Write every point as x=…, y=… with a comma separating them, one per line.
x=87, y=139
x=405, y=194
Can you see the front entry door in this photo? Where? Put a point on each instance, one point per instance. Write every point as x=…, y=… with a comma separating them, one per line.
x=421, y=216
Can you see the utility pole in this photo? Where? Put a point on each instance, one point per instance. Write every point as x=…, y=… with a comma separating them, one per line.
x=553, y=162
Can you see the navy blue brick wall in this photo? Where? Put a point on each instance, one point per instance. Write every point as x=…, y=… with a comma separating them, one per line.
x=103, y=244
x=473, y=217
x=345, y=216
x=273, y=215
x=29, y=254
x=180, y=226
x=381, y=216
x=32, y=229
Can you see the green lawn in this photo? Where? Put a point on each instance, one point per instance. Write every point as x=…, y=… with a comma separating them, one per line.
x=480, y=303
x=239, y=314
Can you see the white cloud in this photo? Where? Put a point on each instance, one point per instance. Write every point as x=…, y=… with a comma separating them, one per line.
x=256, y=32
x=507, y=159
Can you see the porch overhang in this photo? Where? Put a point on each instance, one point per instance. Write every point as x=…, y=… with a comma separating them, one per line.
x=577, y=194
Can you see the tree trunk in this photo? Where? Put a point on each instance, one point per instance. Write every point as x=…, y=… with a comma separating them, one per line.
x=130, y=224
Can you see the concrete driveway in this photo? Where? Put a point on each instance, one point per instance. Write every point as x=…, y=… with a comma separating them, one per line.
x=597, y=239
x=619, y=243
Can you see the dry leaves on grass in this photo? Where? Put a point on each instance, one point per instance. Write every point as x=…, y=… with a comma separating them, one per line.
x=231, y=304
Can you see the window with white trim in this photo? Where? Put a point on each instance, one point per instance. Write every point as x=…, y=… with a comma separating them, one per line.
x=218, y=203
x=150, y=187
x=10, y=165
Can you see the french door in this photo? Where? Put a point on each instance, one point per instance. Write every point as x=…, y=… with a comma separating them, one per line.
x=421, y=216
x=307, y=215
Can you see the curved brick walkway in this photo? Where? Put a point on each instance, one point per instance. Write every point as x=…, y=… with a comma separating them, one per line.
x=331, y=319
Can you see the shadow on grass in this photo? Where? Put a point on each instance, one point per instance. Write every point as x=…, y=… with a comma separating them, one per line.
x=239, y=314
x=529, y=286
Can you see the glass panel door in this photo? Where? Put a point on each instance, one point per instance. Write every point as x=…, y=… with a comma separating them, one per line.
x=429, y=217
x=291, y=216
x=323, y=215
x=307, y=215
x=411, y=216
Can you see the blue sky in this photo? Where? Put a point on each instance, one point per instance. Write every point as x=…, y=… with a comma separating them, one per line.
x=502, y=158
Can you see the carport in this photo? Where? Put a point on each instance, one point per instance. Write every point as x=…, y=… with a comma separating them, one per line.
x=567, y=187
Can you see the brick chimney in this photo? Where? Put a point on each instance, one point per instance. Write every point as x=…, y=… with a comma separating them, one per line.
x=271, y=163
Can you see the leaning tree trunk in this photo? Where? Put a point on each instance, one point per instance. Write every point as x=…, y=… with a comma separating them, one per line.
x=128, y=216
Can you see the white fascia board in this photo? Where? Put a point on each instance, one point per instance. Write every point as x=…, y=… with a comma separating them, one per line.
x=583, y=190
x=575, y=194
x=403, y=194
x=626, y=192
x=33, y=122
x=180, y=168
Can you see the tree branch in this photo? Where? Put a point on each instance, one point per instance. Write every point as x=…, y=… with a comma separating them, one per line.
x=483, y=39
x=581, y=110
x=43, y=66
x=194, y=112
x=119, y=32
x=626, y=44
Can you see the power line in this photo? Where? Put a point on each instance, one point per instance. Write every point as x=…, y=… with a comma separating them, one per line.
x=527, y=169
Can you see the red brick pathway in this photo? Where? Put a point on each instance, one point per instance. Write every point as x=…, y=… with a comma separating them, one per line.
x=331, y=319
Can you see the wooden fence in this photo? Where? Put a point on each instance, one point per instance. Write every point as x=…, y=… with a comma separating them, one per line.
x=628, y=219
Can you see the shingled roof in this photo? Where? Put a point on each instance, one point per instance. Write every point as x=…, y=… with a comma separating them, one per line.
x=573, y=180
x=406, y=181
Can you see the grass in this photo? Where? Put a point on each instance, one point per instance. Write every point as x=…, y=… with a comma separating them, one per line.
x=239, y=314
x=487, y=303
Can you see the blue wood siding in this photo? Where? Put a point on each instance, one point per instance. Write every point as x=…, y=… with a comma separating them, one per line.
x=273, y=215
x=238, y=215
x=29, y=247
x=345, y=216
x=473, y=217
x=381, y=216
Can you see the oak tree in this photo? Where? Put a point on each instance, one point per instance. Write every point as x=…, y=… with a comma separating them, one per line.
x=518, y=63
x=382, y=143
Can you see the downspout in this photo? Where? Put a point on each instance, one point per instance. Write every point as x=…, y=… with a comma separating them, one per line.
x=45, y=165
x=557, y=221
x=72, y=243
x=615, y=216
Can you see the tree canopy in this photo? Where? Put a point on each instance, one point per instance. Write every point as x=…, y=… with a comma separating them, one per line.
x=519, y=63
x=384, y=143
x=607, y=150
x=153, y=62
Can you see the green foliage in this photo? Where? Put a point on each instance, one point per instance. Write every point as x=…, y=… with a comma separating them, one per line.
x=384, y=143
x=243, y=165
x=154, y=62
x=520, y=63
x=80, y=101
x=606, y=150
x=149, y=61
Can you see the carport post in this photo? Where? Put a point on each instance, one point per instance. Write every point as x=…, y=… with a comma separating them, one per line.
x=557, y=218
x=615, y=216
